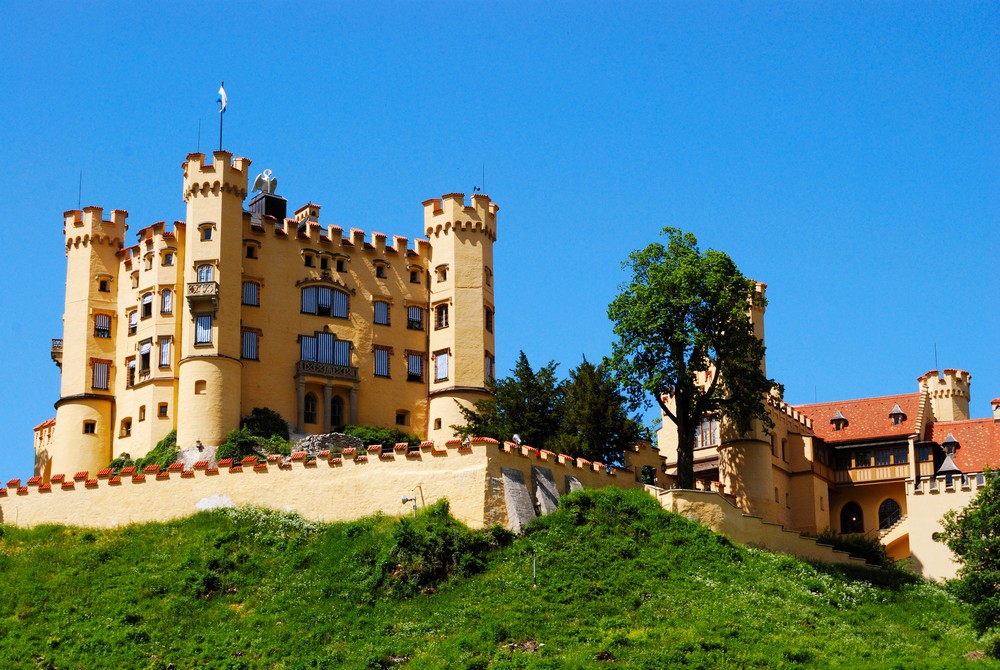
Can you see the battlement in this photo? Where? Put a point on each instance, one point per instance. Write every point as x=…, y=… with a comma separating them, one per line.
x=450, y=212
x=949, y=382
x=226, y=174
x=88, y=224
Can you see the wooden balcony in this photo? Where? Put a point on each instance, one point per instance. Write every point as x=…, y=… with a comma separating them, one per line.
x=328, y=370
x=875, y=474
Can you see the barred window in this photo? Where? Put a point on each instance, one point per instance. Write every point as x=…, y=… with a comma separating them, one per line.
x=325, y=348
x=415, y=367
x=381, y=313
x=381, y=362
x=441, y=366
x=102, y=325
x=248, y=349
x=488, y=318
x=206, y=273
x=165, y=352
x=203, y=329
x=415, y=318
x=251, y=292
x=167, y=301
x=101, y=374
x=325, y=301
x=440, y=317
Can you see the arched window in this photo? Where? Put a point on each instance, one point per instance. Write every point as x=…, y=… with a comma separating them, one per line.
x=852, y=519
x=310, y=408
x=889, y=512
x=206, y=273
x=336, y=412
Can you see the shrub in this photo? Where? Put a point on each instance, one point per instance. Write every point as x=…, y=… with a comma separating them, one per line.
x=374, y=435
x=163, y=454
x=266, y=423
x=859, y=546
x=239, y=443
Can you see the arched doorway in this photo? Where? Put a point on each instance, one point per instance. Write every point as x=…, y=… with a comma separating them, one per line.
x=309, y=414
x=336, y=412
x=889, y=512
x=852, y=519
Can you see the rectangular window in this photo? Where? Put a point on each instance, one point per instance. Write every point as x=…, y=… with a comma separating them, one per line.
x=309, y=300
x=102, y=325
x=203, y=329
x=414, y=276
x=168, y=259
x=706, y=434
x=488, y=317
x=415, y=367
x=308, y=348
x=324, y=301
x=341, y=352
x=440, y=317
x=380, y=271
x=900, y=455
x=130, y=372
x=133, y=322
x=144, y=350
x=147, y=305
x=248, y=349
x=441, y=366
x=167, y=301
x=862, y=459
x=381, y=362
x=165, y=352
x=161, y=410
x=882, y=457
x=89, y=427
x=382, y=313
x=415, y=318
x=924, y=452
x=101, y=373
x=490, y=368
x=251, y=292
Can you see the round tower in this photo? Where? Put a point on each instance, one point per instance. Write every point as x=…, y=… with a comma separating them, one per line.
x=85, y=411
x=461, y=308
x=209, y=373
x=949, y=392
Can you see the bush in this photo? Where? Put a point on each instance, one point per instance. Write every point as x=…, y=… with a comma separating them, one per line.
x=239, y=443
x=373, y=435
x=858, y=546
x=163, y=454
x=266, y=423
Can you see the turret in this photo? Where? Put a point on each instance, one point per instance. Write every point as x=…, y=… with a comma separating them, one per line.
x=209, y=374
x=85, y=410
x=461, y=339
x=949, y=392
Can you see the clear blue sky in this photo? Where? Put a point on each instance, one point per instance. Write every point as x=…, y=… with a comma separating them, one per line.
x=846, y=154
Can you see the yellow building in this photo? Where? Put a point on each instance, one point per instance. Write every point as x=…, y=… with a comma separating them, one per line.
x=886, y=467
x=192, y=326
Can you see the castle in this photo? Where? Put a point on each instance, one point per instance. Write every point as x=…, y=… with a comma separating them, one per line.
x=235, y=308
x=191, y=328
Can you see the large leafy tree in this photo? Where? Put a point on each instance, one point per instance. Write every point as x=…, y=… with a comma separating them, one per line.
x=685, y=312
x=973, y=534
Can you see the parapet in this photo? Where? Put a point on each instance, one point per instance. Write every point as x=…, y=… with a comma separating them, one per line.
x=88, y=224
x=450, y=212
x=226, y=174
x=949, y=383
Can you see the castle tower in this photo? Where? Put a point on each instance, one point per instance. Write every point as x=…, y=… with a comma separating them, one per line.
x=210, y=371
x=461, y=338
x=86, y=407
x=949, y=393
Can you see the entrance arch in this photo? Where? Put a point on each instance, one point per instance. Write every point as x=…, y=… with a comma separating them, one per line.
x=889, y=512
x=852, y=519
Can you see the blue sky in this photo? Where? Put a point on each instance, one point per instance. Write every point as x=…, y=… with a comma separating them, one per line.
x=846, y=154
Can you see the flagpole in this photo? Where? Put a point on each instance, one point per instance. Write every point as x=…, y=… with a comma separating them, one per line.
x=222, y=111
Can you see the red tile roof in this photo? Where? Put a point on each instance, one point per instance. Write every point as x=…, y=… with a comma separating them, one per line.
x=867, y=418
x=978, y=442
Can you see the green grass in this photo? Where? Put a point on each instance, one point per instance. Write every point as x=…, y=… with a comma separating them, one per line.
x=621, y=584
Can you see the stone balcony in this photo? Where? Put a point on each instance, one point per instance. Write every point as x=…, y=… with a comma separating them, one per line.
x=328, y=370
x=203, y=295
x=57, y=349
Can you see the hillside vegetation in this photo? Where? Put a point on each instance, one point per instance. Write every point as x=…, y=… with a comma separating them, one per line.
x=621, y=584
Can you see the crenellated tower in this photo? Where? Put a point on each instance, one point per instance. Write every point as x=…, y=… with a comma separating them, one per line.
x=461, y=307
x=209, y=373
x=949, y=393
x=86, y=407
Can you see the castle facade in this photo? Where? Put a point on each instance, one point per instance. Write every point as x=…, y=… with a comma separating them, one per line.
x=240, y=306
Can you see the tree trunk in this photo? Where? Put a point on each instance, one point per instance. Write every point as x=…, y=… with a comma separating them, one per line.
x=685, y=457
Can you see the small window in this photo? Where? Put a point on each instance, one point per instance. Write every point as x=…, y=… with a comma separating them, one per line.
x=442, y=273
x=441, y=366
x=100, y=373
x=135, y=280
x=414, y=367
x=133, y=322
x=402, y=418
x=900, y=455
x=309, y=407
x=251, y=251
x=822, y=504
x=487, y=276
x=324, y=263
x=104, y=286
x=206, y=233
x=882, y=457
x=251, y=293
x=784, y=450
x=130, y=372
x=166, y=301
x=776, y=499
x=147, y=305
x=437, y=424
x=382, y=362
x=249, y=345
x=381, y=313
x=340, y=265
x=126, y=430
x=440, y=317
x=488, y=318
x=490, y=368
x=200, y=387
x=102, y=325
x=144, y=356
x=149, y=262
x=161, y=410
x=414, y=276
x=415, y=318
x=168, y=259
x=924, y=452
x=165, y=352
x=206, y=273
x=380, y=271
x=142, y=412
x=203, y=329
x=89, y=427
x=788, y=501
x=308, y=260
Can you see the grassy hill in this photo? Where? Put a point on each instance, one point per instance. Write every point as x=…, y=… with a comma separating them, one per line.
x=621, y=584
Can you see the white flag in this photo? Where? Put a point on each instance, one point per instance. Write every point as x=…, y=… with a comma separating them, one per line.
x=222, y=99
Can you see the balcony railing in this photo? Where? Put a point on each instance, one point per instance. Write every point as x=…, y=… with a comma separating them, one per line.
x=201, y=294
x=329, y=370
x=878, y=473
x=57, y=349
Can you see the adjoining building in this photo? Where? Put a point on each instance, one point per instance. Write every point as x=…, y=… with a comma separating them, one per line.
x=191, y=327
x=886, y=467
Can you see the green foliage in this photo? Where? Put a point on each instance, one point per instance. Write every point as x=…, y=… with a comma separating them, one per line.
x=618, y=577
x=123, y=461
x=582, y=416
x=973, y=534
x=239, y=444
x=685, y=312
x=163, y=454
x=383, y=436
x=868, y=548
x=266, y=423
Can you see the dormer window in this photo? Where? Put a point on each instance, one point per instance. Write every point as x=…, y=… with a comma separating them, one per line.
x=839, y=421
x=897, y=415
x=950, y=445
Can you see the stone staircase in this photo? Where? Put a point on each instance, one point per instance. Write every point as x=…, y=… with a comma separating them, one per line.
x=894, y=532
